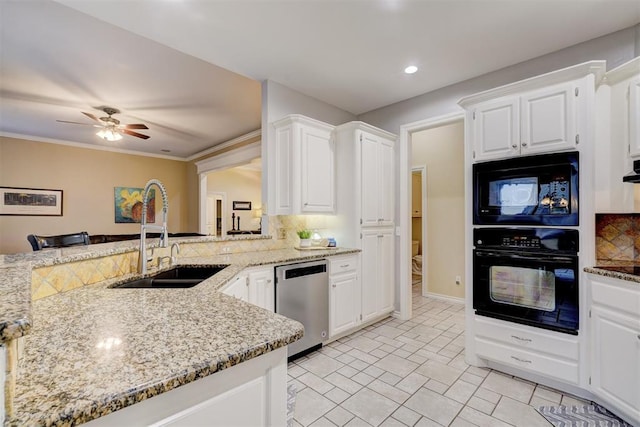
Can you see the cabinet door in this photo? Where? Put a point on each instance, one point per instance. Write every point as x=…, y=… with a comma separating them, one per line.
x=370, y=179
x=261, y=288
x=386, y=262
x=496, y=129
x=318, y=171
x=370, y=277
x=548, y=119
x=385, y=174
x=344, y=303
x=616, y=359
x=238, y=288
x=634, y=117
x=283, y=171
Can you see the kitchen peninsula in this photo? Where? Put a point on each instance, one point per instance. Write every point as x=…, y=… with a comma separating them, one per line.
x=89, y=352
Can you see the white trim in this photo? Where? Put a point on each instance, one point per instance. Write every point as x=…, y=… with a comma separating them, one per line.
x=202, y=203
x=456, y=300
x=254, y=134
x=88, y=146
x=423, y=224
x=597, y=68
x=222, y=196
x=230, y=159
x=622, y=72
x=404, y=185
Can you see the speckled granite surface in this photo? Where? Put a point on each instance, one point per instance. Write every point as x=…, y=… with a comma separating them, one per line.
x=15, y=302
x=94, y=350
x=630, y=273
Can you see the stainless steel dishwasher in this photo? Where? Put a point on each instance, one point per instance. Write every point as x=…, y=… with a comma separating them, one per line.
x=302, y=294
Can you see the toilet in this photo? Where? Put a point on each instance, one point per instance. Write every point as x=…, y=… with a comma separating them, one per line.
x=416, y=258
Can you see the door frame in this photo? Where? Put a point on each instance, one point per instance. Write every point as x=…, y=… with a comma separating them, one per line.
x=404, y=185
x=222, y=196
x=423, y=222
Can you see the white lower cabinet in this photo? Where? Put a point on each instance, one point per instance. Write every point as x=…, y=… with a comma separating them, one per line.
x=250, y=394
x=615, y=345
x=254, y=285
x=377, y=272
x=344, y=294
x=548, y=353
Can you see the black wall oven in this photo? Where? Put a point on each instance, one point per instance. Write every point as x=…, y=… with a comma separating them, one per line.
x=528, y=276
x=531, y=190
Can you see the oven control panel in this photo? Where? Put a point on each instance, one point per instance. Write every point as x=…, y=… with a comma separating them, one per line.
x=521, y=241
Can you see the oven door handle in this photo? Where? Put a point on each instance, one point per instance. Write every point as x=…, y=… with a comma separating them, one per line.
x=545, y=257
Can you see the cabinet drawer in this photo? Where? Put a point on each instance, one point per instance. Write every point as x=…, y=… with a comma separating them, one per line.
x=341, y=265
x=616, y=294
x=528, y=339
x=534, y=362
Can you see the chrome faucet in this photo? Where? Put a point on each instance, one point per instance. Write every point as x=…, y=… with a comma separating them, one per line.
x=144, y=227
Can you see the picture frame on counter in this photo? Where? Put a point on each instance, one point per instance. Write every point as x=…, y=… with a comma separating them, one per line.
x=241, y=206
x=30, y=201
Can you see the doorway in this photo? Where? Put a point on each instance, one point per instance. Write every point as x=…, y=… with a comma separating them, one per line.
x=419, y=274
x=216, y=204
x=408, y=134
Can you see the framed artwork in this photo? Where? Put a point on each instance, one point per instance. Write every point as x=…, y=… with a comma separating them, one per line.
x=241, y=206
x=128, y=205
x=30, y=201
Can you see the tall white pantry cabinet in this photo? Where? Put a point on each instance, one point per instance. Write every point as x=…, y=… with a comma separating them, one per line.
x=365, y=211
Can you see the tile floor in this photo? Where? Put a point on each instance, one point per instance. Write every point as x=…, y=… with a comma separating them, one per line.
x=412, y=373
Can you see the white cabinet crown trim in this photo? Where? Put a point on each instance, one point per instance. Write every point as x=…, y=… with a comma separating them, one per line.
x=597, y=68
x=622, y=72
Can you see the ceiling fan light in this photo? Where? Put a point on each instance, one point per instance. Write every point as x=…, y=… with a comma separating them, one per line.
x=109, y=135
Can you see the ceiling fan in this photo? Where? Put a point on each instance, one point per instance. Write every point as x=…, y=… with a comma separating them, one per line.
x=110, y=128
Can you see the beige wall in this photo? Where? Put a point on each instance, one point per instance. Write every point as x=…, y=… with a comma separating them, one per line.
x=87, y=178
x=442, y=151
x=241, y=185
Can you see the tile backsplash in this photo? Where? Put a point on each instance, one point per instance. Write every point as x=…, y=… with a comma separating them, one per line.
x=618, y=237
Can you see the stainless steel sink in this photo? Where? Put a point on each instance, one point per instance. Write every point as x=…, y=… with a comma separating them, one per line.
x=178, y=277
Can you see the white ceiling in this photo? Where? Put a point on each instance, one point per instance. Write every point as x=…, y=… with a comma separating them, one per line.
x=57, y=62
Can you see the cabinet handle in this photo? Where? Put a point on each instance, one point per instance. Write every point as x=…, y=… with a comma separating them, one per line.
x=514, y=146
x=639, y=336
x=333, y=286
x=344, y=266
x=520, y=338
x=269, y=281
x=521, y=360
x=380, y=235
x=306, y=204
x=524, y=144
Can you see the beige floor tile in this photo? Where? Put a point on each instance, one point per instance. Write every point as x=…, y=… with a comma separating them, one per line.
x=439, y=371
x=339, y=416
x=389, y=391
x=412, y=382
x=461, y=391
x=436, y=386
x=406, y=415
x=482, y=420
x=537, y=402
x=518, y=414
x=568, y=400
x=488, y=395
x=359, y=364
x=396, y=365
x=461, y=422
x=348, y=371
x=343, y=382
x=470, y=378
x=310, y=406
x=322, y=422
x=427, y=422
x=321, y=365
x=434, y=406
x=506, y=385
x=481, y=405
x=547, y=394
x=374, y=371
x=357, y=422
x=337, y=395
x=389, y=332
x=390, y=378
x=315, y=382
x=370, y=406
x=362, y=378
x=364, y=344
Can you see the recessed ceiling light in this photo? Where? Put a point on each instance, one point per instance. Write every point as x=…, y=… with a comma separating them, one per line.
x=411, y=69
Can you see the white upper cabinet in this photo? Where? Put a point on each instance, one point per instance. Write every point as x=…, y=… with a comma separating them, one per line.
x=548, y=119
x=634, y=117
x=377, y=179
x=538, y=115
x=302, y=167
x=535, y=122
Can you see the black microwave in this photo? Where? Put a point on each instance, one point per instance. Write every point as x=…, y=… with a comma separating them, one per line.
x=530, y=190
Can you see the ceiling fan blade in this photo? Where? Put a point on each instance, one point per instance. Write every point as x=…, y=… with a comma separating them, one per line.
x=77, y=123
x=136, y=134
x=91, y=116
x=135, y=126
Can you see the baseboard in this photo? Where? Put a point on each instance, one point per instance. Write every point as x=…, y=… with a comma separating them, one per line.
x=444, y=298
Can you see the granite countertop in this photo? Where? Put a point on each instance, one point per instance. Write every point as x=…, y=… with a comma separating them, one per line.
x=94, y=350
x=618, y=270
x=15, y=302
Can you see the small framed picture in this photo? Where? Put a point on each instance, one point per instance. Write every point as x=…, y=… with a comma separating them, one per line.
x=30, y=201
x=241, y=206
